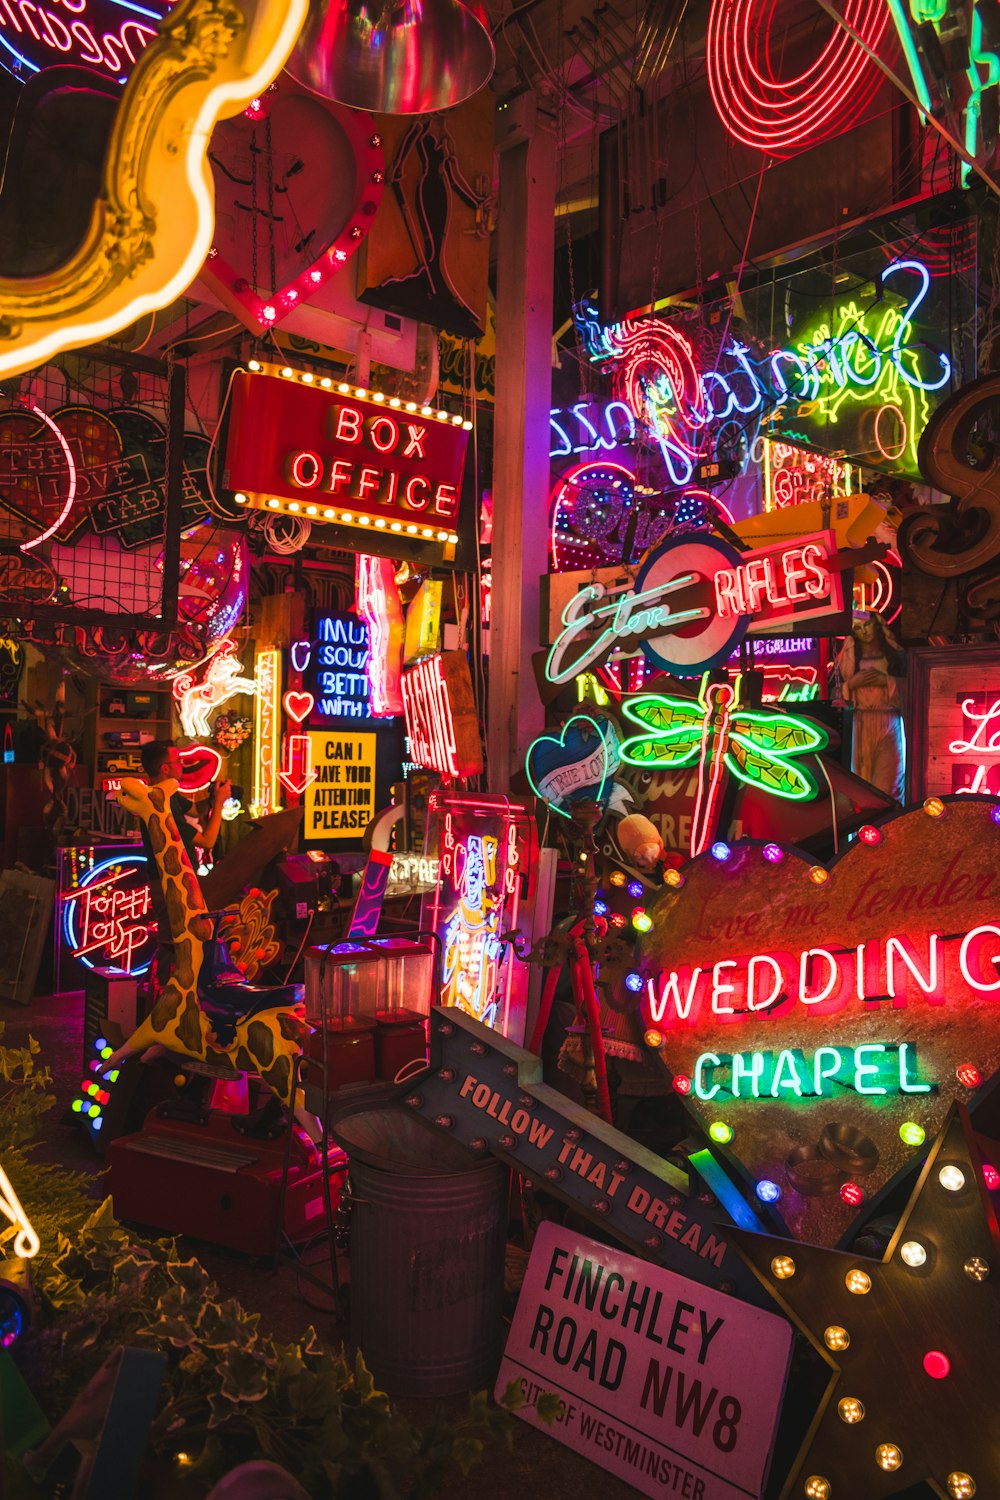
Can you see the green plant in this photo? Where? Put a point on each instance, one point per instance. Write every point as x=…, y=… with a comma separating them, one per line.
x=231, y=1391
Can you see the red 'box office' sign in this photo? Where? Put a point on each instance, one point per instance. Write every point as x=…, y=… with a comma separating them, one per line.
x=321, y=450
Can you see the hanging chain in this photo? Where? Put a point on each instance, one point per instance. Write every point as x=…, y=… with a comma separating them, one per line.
x=253, y=210
x=273, y=286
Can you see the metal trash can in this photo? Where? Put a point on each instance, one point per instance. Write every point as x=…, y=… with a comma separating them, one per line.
x=427, y=1240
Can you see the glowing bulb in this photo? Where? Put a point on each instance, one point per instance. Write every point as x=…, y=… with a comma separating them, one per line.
x=329, y=514
x=674, y=878
x=326, y=382
x=682, y=1084
x=344, y=389
x=635, y=888
x=617, y=877
x=912, y=1134
x=253, y=364
x=991, y=1177
x=308, y=378
x=411, y=531
x=274, y=503
x=641, y=920
x=818, y=1488
x=869, y=835
x=286, y=373
x=858, y=1282
x=773, y=853
x=850, y=1410
x=360, y=392
x=952, y=1179
x=937, y=1365
x=77, y=1105
x=633, y=983
x=240, y=498
x=852, y=1194
x=968, y=1075
x=293, y=505
x=961, y=1486
x=768, y=1191
x=912, y=1253
x=721, y=1132
x=888, y=1456
x=836, y=1338
x=933, y=807
x=818, y=875
x=783, y=1267
x=976, y=1268
x=653, y=1038
x=721, y=850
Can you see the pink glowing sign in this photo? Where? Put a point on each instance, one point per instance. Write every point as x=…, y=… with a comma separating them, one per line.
x=107, y=914
x=106, y=35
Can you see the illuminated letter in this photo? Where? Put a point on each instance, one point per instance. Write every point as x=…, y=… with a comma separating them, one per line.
x=340, y=473
x=306, y=470
x=905, y=1086
x=720, y=987
x=367, y=483
x=415, y=445
x=812, y=557
x=963, y=959
x=408, y=494
x=787, y=1061
x=728, y=593
x=896, y=353
x=671, y=991
x=778, y=978
x=864, y=1069
x=822, y=1075
x=707, y=1060
x=445, y=500
x=751, y=1071
x=756, y=582
x=378, y=424
x=348, y=429
x=901, y=946
x=804, y=964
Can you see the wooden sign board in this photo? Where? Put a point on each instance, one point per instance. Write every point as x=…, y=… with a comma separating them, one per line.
x=819, y=1022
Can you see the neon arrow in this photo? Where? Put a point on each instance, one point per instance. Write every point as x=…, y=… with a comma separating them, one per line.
x=287, y=777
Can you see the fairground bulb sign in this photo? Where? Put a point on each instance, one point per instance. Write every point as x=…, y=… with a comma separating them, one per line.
x=820, y=1022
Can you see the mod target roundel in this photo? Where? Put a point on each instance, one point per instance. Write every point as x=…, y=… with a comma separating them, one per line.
x=678, y=580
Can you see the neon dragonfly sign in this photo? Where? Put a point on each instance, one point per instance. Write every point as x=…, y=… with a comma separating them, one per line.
x=107, y=920
x=864, y=355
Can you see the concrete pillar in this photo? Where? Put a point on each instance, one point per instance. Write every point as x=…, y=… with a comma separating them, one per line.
x=525, y=273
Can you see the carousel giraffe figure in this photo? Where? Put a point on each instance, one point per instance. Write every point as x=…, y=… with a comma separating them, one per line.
x=265, y=1041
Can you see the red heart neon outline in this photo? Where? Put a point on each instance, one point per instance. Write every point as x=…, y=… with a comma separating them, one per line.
x=259, y=313
x=298, y=706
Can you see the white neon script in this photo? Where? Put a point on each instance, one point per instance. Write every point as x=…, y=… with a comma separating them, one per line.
x=112, y=920
x=631, y=615
x=985, y=741
x=34, y=35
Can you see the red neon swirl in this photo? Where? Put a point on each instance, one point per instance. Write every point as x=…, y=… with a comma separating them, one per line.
x=784, y=115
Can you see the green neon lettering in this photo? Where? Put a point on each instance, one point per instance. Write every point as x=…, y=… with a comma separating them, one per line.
x=707, y=1061
x=908, y=1085
x=827, y=1065
x=787, y=1064
x=748, y=1067
x=864, y=1070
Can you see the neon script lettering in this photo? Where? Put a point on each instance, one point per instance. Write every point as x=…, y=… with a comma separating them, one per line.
x=829, y=977
x=90, y=32
x=982, y=743
x=871, y=1068
x=631, y=616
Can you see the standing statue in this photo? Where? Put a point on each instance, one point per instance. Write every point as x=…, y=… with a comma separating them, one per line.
x=870, y=662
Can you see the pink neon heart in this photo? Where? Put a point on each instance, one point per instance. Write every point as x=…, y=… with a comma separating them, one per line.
x=298, y=706
x=232, y=285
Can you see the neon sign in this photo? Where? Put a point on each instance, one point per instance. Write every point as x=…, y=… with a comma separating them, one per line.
x=595, y=426
x=476, y=900
x=380, y=607
x=721, y=739
x=698, y=581
x=339, y=669
x=784, y=115
x=93, y=34
x=300, y=444
x=222, y=679
x=107, y=919
x=981, y=742
x=796, y=476
x=267, y=732
x=875, y=1068
x=441, y=722
x=26, y=1241
x=867, y=355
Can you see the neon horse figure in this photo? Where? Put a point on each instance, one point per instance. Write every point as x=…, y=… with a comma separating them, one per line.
x=715, y=733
